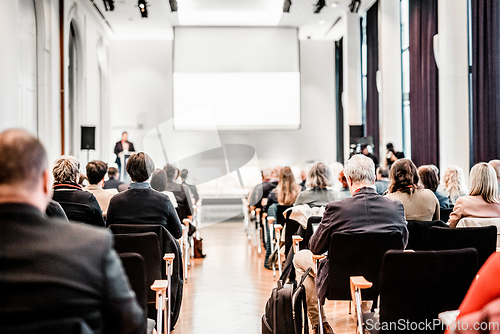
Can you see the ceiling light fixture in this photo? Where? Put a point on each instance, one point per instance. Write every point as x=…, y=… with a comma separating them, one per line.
x=319, y=6
x=143, y=8
x=322, y=21
x=286, y=6
x=109, y=5
x=334, y=4
x=173, y=5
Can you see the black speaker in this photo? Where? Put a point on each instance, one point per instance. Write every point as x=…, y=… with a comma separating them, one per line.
x=355, y=133
x=88, y=138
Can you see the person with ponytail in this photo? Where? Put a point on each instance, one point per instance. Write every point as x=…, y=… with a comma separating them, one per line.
x=404, y=185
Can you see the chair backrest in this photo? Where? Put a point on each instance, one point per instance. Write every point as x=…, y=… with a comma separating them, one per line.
x=280, y=219
x=417, y=286
x=77, y=212
x=477, y=222
x=418, y=233
x=483, y=239
x=311, y=222
x=60, y=326
x=135, y=268
x=444, y=214
x=147, y=245
x=291, y=229
x=357, y=255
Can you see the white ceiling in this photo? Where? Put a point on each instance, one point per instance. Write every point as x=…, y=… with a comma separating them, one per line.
x=127, y=23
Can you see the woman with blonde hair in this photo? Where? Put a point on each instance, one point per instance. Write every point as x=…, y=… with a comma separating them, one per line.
x=483, y=200
x=454, y=183
x=285, y=193
x=318, y=182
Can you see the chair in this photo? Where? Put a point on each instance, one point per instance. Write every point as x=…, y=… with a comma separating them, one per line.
x=418, y=233
x=357, y=255
x=483, y=239
x=477, y=222
x=168, y=244
x=312, y=223
x=134, y=267
x=417, y=286
x=444, y=214
x=146, y=245
x=291, y=228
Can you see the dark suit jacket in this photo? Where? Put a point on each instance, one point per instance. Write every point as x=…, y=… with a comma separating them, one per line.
x=261, y=191
x=51, y=270
x=119, y=148
x=80, y=206
x=112, y=184
x=184, y=204
x=144, y=206
x=366, y=211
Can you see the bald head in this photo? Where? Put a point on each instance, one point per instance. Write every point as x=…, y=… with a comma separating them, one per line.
x=23, y=159
x=496, y=165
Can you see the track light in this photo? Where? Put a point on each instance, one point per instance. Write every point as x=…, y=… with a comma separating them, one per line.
x=143, y=7
x=354, y=6
x=173, y=5
x=319, y=6
x=286, y=6
x=109, y=5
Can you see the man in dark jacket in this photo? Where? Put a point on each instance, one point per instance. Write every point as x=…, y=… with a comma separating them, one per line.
x=141, y=204
x=51, y=270
x=113, y=182
x=79, y=206
x=364, y=212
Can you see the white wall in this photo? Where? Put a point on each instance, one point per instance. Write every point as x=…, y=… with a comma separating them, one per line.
x=141, y=98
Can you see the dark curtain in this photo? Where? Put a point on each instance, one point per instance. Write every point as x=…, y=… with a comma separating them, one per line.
x=424, y=96
x=485, y=24
x=372, y=102
x=339, y=90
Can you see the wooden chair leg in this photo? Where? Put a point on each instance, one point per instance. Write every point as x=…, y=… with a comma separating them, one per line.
x=278, y=229
x=358, y=283
x=169, y=258
x=316, y=259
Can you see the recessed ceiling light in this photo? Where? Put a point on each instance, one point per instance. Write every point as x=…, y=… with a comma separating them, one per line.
x=322, y=21
x=334, y=4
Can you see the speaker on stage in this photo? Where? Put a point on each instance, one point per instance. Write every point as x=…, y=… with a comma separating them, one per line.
x=88, y=138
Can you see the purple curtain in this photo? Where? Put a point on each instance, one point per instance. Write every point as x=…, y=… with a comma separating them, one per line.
x=424, y=96
x=485, y=24
x=372, y=102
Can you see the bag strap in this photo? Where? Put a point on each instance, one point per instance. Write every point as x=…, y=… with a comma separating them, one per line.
x=302, y=279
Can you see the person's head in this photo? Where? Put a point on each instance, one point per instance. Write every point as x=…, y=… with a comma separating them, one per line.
x=389, y=147
x=454, y=182
x=303, y=174
x=124, y=136
x=113, y=173
x=287, y=189
x=382, y=173
x=66, y=169
x=403, y=176
x=96, y=170
x=319, y=176
x=428, y=177
x=364, y=149
x=275, y=173
x=171, y=172
x=159, y=180
x=140, y=166
x=496, y=166
x=24, y=173
x=184, y=174
x=266, y=174
x=343, y=180
x=359, y=171
x=483, y=182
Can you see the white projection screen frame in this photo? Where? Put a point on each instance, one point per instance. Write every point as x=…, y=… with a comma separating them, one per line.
x=238, y=78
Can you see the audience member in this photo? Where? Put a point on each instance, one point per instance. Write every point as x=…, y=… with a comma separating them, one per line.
x=392, y=155
x=96, y=170
x=382, y=180
x=429, y=179
x=284, y=194
x=303, y=177
x=55, y=210
x=159, y=183
x=496, y=165
x=50, y=269
x=114, y=179
x=366, y=150
x=419, y=204
x=192, y=187
x=365, y=212
x=79, y=206
x=483, y=200
x=344, y=191
x=454, y=183
x=318, y=193
x=181, y=192
x=263, y=189
x=140, y=204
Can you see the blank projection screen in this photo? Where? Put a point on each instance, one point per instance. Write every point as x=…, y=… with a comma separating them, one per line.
x=242, y=78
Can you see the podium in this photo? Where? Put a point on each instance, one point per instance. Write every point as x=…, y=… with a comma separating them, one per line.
x=123, y=161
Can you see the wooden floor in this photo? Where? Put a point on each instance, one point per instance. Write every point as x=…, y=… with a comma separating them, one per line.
x=227, y=291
